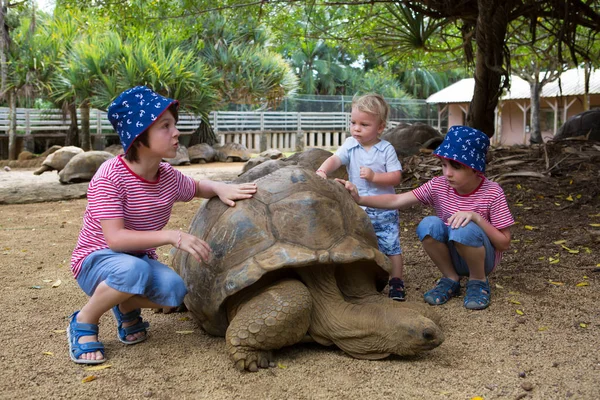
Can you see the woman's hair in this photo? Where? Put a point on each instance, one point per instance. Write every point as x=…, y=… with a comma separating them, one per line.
x=132, y=155
x=372, y=103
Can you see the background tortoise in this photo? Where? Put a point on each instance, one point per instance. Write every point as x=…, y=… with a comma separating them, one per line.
x=299, y=258
x=231, y=152
x=59, y=159
x=201, y=153
x=83, y=166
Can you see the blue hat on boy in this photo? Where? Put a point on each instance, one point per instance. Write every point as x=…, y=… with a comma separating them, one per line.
x=465, y=145
x=134, y=111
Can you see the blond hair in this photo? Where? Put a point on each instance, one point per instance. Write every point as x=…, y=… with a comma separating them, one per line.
x=372, y=103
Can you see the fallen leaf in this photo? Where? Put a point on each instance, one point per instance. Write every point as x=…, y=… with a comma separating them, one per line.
x=515, y=240
x=184, y=318
x=46, y=280
x=519, y=186
x=541, y=258
x=529, y=227
x=59, y=331
x=513, y=293
x=98, y=367
x=280, y=365
x=57, y=283
x=569, y=250
x=48, y=353
x=499, y=287
x=569, y=198
x=542, y=328
x=35, y=287
x=553, y=260
x=585, y=277
x=581, y=324
x=515, y=302
x=519, y=204
x=184, y=332
x=595, y=225
x=519, y=312
x=477, y=398
x=557, y=204
x=556, y=283
x=560, y=242
x=88, y=379
x=580, y=284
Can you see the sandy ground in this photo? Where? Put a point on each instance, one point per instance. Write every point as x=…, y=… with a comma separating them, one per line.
x=551, y=351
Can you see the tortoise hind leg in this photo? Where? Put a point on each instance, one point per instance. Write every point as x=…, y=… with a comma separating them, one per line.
x=276, y=316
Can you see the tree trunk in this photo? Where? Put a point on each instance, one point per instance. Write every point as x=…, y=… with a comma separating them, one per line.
x=86, y=141
x=490, y=37
x=203, y=134
x=12, y=125
x=72, y=138
x=534, y=122
x=4, y=41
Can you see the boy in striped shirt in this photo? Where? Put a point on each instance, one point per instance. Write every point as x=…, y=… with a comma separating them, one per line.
x=471, y=227
x=130, y=199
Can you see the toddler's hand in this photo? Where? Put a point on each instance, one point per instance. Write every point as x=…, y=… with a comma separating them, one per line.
x=321, y=173
x=367, y=173
x=197, y=248
x=228, y=193
x=351, y=188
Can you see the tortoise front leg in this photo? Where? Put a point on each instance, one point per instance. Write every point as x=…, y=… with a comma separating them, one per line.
x=276, y=316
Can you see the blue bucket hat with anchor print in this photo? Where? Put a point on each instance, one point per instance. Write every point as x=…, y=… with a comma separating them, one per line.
x=465, y=145
x=134, y=111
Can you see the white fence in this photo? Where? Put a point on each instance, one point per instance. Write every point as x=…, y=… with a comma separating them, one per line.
x=33, y=120
x=258, y=131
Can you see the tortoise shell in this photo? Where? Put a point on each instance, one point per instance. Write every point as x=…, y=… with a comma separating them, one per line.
x=295, y=219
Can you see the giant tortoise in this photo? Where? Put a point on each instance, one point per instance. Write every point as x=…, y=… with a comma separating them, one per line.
x=58, y=160
x=83, y=166
x=297, y=262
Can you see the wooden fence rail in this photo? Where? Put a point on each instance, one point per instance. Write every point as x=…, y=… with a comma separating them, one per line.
x=258, y=131
x=31, y=121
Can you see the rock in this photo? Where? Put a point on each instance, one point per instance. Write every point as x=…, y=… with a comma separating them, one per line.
x=527, y=386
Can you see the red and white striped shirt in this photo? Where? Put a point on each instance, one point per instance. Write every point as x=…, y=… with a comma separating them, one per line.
x=116, y=192
x=488, y=200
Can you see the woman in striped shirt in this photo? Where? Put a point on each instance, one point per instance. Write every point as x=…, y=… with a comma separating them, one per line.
x=471, y=227
x=130, y=199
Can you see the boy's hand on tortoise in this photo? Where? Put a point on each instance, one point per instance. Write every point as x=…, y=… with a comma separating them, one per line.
x=351, y=188
x=229, y=193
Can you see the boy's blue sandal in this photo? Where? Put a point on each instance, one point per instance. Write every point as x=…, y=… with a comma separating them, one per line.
x=445, y=289
x=76, y=330
x=140, y=326
x=478, y=295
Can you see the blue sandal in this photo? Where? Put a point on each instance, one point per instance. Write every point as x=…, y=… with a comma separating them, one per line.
x=140, y=326
x=445, y=289
x=75, y=331
x=478, y=295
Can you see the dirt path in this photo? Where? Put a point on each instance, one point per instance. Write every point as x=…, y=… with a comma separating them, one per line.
x=549, y=352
